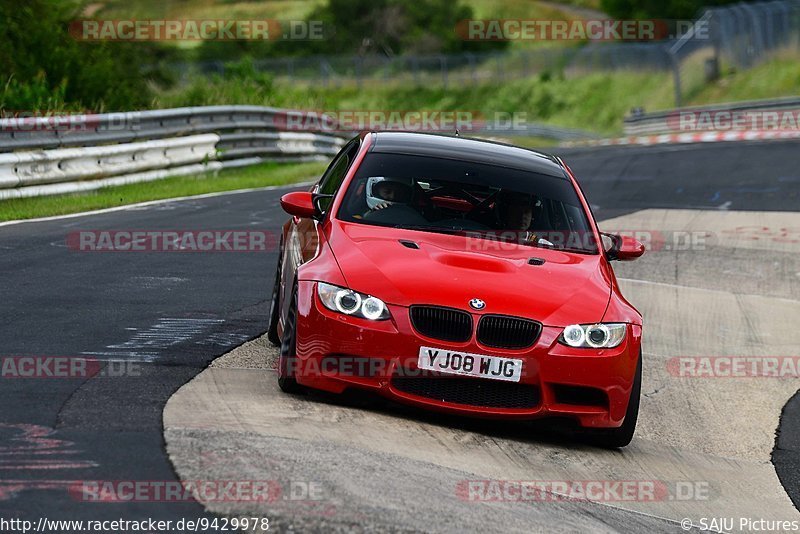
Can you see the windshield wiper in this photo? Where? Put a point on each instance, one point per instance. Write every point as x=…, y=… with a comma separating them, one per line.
x=573, y=250
x=435, y=229
x=537, y=243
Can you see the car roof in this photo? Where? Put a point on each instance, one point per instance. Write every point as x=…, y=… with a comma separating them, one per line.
x=466, y=149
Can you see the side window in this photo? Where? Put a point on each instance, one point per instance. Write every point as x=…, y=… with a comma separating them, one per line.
x=333, y=177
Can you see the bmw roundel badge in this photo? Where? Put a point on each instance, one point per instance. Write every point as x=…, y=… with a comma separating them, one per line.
x=477, y=304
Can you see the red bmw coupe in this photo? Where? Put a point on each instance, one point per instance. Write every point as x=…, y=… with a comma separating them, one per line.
x=457, y=275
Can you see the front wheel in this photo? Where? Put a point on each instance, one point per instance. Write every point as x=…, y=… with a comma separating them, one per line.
x=274, y=307
x=615, y=438
x=287, y=362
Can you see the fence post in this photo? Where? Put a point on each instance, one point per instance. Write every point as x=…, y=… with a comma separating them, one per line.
x=714, y=25
x=473, y=73
x=525, y=67
x=415, y=69
x=791, y=14
x=758, y=37
x=323, y=72
x=500, y=70
x=676, y=74
x=358, y=67
x=744, y=36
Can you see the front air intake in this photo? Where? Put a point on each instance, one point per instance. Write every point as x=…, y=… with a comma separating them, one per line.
x=506, y=332
x=447, y=324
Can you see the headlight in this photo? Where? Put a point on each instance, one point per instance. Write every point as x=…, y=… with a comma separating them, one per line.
x=349, y=302
x=593, y=336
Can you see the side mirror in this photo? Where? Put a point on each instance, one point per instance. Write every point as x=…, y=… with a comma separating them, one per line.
x=622, y=247
x=299, y=204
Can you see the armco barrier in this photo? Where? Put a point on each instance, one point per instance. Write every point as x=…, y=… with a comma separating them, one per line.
x=34, y=167
x=53, y=155
x=663, y=122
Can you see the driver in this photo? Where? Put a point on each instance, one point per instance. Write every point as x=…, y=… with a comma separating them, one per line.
x=515, y=213
x=514, y=210
x=384, y=192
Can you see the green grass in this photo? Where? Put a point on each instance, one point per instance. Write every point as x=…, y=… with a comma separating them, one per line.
x=775, y=78
x=596, y=102
x=226, y=180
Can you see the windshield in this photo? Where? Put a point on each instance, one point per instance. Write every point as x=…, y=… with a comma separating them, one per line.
x=483, y=201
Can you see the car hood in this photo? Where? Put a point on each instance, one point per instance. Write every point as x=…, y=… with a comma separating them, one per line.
x=448, y=270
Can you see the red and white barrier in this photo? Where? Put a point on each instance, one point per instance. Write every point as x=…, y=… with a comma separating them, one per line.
x=682, y=138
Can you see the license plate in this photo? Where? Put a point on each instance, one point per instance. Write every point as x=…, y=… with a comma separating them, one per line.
x=465, y=363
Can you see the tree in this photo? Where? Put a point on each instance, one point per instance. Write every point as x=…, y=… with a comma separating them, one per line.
x=386, y=27
x=43, y=65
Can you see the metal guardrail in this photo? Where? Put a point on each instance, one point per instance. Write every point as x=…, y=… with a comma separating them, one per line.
x=61, y=154
x=20, y=169
x=669, y=121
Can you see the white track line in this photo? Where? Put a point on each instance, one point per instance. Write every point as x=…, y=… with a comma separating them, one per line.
x=154, y=202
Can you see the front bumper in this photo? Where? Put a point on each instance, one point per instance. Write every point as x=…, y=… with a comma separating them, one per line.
x=336, y=352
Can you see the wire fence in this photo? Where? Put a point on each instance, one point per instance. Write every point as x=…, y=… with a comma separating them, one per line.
x=739, y=36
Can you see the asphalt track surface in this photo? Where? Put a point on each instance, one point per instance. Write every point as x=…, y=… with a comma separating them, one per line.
x=171, y=314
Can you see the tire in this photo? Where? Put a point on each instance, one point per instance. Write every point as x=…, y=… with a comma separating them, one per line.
x=288, y=354
x=616, y=438
x=274, y=307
